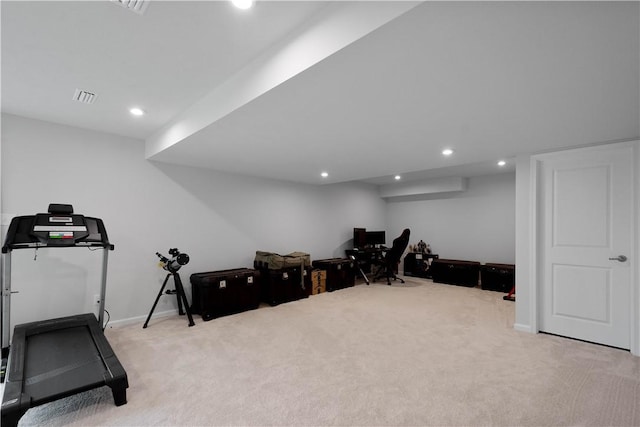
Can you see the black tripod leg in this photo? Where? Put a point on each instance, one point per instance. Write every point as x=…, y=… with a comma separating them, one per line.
x=156, y=302
x=178, y=284
x=181, y=295
x=366, y=279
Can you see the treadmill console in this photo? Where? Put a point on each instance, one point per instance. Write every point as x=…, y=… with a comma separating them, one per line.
x=60, y=227
x=59, y=230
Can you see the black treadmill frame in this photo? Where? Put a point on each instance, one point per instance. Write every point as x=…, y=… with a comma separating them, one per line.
x=16, y=401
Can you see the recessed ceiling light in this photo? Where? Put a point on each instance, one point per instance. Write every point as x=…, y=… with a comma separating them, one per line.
x=242, y=4
x=324, y=174
x=502, y=163
x=137, y=111
x=397, y=177
x=447, y=152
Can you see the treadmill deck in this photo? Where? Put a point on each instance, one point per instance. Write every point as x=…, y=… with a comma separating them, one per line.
x=56, y=358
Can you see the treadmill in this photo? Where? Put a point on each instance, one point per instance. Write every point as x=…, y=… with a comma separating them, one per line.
x=52, y=359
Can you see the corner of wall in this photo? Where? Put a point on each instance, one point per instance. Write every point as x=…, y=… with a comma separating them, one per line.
x=524, y=287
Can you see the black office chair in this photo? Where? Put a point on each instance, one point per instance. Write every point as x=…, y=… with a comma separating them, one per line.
x=389, y=263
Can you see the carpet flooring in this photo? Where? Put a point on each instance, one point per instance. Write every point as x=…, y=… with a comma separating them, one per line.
x=414, y=354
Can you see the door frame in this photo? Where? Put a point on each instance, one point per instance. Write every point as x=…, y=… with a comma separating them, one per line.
x=535, y=230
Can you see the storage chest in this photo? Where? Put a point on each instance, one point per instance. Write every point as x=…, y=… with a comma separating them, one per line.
x=455, y=272
x=218, y=293
x=497, y=277
x=341, y=272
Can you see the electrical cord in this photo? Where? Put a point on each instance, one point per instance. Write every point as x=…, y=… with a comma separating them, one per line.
x=108, y=318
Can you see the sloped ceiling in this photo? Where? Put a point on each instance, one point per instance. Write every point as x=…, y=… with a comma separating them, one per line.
x=489, y=79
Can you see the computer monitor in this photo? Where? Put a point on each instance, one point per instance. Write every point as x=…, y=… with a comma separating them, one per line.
x=359, y=237
x=376, y=238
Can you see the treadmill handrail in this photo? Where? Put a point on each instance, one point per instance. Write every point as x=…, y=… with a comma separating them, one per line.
x=19, y=236
x=16, y=240
x=38, y=245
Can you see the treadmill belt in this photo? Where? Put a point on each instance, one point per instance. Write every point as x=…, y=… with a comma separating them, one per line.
x=61, y=361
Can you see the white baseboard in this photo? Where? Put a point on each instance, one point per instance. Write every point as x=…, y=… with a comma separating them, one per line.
x=141, y=319
x=524, y=328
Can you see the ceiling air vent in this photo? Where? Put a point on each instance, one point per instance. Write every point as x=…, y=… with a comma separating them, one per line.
x=137, y=6
x=84, y=96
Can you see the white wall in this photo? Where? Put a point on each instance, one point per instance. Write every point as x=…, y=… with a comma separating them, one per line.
x=476, y=225
x=219, y=219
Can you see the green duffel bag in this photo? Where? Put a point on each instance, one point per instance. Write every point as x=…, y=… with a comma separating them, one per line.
x=274, y=261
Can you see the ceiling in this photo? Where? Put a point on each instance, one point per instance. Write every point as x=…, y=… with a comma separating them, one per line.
x=361, y=90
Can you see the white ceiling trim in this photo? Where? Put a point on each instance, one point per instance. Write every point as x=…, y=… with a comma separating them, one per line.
x=433, y=186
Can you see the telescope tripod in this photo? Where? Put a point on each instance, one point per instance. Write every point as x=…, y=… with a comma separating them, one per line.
x=179, y=293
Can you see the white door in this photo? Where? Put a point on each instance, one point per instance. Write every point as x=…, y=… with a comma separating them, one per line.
x=586, y=230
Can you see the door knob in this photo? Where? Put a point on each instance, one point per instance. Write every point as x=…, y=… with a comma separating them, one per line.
x=620, y=258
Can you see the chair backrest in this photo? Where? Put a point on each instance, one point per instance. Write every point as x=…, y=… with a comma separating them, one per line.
x=397, y=249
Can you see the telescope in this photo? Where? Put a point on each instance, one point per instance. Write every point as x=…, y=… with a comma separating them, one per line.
x=178, y=260
x=172, y=265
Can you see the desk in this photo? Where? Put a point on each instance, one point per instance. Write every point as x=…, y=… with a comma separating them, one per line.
x=365, y=258
x=418, y=264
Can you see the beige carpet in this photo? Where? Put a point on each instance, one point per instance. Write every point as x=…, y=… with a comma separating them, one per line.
x=414, y=354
